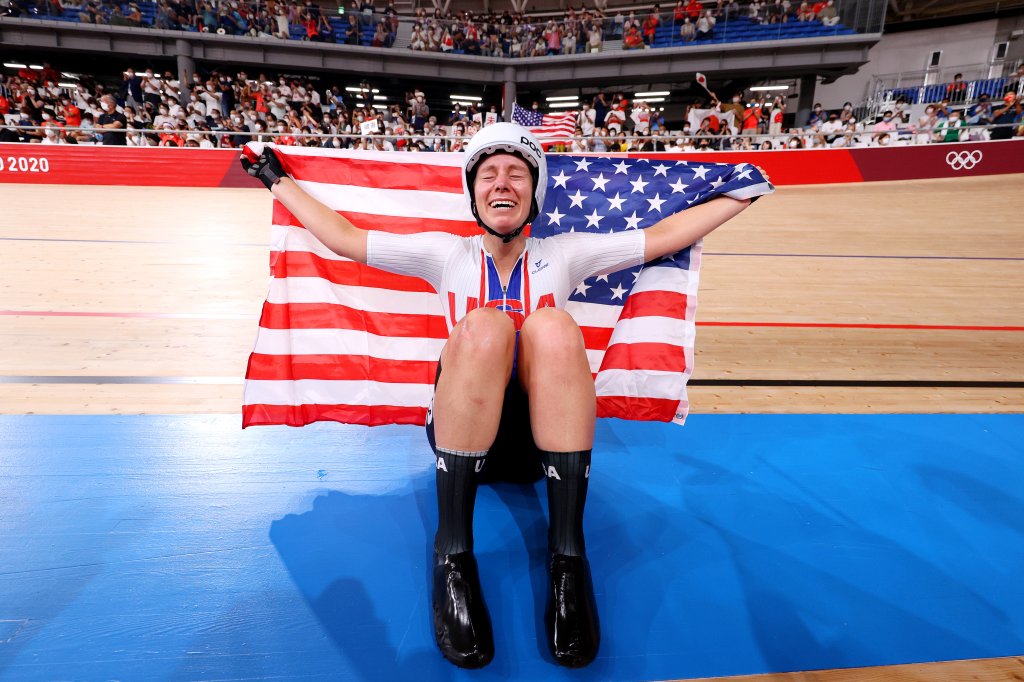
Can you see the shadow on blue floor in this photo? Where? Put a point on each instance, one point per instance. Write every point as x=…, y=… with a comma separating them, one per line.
x=181, y=547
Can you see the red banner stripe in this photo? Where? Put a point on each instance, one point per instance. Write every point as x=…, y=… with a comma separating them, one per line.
x=334, y=316
x=384, y=223
x=640, y=409
x=370, y=173
x=662, y=357
x=306, y=264
x=340, y=368
x=300, y=415
x=659, y=303
x=596, y=338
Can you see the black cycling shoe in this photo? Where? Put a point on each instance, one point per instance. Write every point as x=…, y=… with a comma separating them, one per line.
x=571, y=615
x=462, y=626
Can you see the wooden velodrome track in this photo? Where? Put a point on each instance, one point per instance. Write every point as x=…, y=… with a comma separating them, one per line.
x=886, y=297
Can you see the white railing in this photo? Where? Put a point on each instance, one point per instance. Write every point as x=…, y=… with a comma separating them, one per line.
x=673, y=141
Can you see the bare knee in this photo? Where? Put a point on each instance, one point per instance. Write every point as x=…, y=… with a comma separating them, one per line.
x=484, y=336
x=551, y=339
x=554, y=334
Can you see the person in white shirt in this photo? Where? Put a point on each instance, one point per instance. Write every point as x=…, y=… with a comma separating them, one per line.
x=586, y=120
x=513, y=358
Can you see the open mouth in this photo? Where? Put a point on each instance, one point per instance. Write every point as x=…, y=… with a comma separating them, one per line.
x=503, y=205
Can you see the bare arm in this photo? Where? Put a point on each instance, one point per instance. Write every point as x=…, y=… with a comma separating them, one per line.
x=333, y=230
x=678, y=231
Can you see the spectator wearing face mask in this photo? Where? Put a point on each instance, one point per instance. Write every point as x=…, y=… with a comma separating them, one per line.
x=587, y=120
x=163, y=116
x=52, y=133
x=926, y=124
x=831, y=128
x=131, y=89
x=980, y=113
x=775, y=117
x=151, y=88
x=735, y=105
x=949, y=130
x=884, y=127
x=111, y=121
x=818, y=115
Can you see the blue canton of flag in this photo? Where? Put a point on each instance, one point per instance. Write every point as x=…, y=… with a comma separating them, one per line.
x=526, y=117
x=598, y=194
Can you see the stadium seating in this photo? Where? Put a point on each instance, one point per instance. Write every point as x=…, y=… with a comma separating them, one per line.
x=297, y=31
x=737, y=29
x=924, y=94
x=742, y=29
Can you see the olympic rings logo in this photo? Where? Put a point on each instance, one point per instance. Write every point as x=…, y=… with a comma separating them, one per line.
x=964, y=160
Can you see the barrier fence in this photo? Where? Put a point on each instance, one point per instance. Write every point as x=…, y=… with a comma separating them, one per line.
x=184, y=167
x=909, y=135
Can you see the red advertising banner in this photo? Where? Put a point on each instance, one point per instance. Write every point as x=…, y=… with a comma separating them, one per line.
x=136, y=166
x=175, y=167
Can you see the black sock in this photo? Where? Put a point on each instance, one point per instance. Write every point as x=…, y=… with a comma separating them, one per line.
x=458, y=474
x=568, y=474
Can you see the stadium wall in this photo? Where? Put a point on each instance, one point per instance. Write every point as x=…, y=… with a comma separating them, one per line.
x=176, y=167
x=908, y=51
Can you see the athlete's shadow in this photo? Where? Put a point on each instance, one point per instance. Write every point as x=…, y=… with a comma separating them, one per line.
x=362, y=564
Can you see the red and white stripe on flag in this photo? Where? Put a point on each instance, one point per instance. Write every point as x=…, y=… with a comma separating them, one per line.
x=340, y=341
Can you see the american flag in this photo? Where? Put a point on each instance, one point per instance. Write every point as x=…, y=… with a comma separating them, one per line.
x=340, y=341
x=547, y=127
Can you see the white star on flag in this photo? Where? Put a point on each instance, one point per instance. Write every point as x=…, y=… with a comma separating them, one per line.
x=618, y=291
x=717, y=182
x=678, y=186
x=577, y=199
x=745, y=175
x=601, y=278
x=582, y=289
x=593, y=219
x=621, y=167
x=616, y=202
x=638, y=185
x=632, y=222
x=661, y=169
x=655, y=203
x=556, y=217
x=599, y=182
x=701, y=172
x=583, y=165
x=560, y=179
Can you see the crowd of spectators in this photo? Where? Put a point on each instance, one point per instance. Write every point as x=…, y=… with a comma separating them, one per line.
x=511, y=34
x=255, y=18
x=505, y=35
x=515, y=34
x=226, y=110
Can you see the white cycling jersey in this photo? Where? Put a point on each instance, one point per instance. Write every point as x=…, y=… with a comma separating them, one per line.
x=464, y=274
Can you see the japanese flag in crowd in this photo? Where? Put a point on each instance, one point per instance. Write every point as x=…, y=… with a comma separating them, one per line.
x=341, y=341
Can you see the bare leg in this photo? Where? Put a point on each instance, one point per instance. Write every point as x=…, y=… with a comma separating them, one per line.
x=554, y=372
x=556, y=375
x=476, y=366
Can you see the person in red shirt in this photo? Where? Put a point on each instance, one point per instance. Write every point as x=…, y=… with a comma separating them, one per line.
x=633, y=40
x=751, y=118
x=693, y=9
x=650, y=28
x=817, y=7
x=72, y=114
x=5, y=105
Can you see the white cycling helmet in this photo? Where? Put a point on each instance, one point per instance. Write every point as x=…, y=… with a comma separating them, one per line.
x=510, y=138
